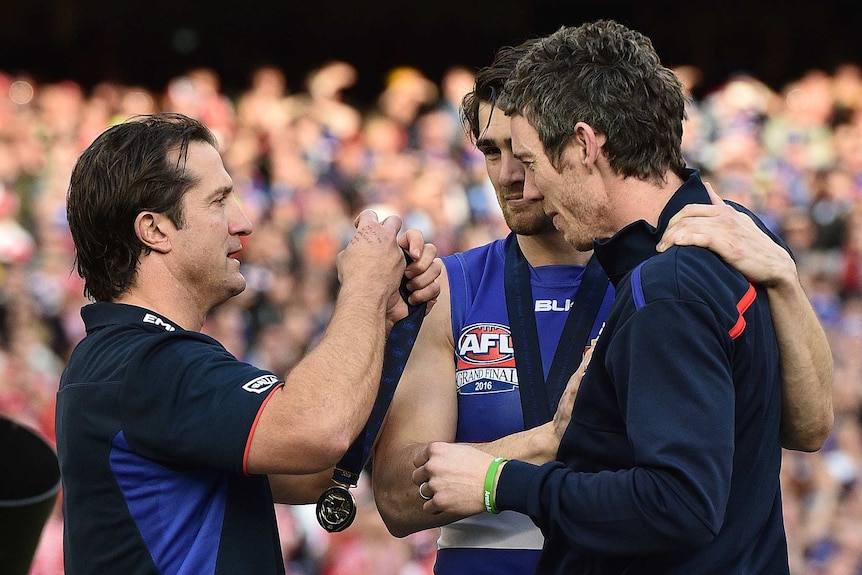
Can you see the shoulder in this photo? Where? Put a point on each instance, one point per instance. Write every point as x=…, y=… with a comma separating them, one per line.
x=171, y=353
x=492, y=250
x=467, y=270
x=691, y=273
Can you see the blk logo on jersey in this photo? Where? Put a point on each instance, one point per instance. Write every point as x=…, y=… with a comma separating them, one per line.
x=553, y=305
x=486, y=360
x=260, y=384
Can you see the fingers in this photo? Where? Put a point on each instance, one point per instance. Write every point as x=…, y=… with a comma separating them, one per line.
x=716, y=201
x=585, y=361
x=420, y=475
x=698, y=224
x=422, y=480
x=424, y=286
x=424, y=270
x=422, y=493
x=393, y=224
x=364, y=218
x=413, y=241
x=423, y=256
x=568, y=397
x=427, y=294
x=421, y=457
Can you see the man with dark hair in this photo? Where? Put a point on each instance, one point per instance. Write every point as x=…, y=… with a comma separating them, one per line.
x=674, y=436
x=171, y=450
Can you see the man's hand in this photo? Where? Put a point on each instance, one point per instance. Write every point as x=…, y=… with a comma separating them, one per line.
x=452, y=477
x=734, y=237
x=567, y=401
x=373, y=260
x=422, y=273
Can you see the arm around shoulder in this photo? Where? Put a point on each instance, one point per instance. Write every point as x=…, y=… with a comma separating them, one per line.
x=807, y=368
x=806, y=359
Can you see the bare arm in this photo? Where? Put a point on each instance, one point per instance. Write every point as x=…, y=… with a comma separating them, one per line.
x=299, y=489
x=425, y=410
x=806, y=359
x=310, y=422
x=422, y=275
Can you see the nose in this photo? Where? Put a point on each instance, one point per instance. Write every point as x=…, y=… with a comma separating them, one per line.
x=239, y=224
x=531, y=191
x=511, y=171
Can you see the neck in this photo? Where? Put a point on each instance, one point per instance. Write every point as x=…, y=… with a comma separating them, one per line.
x=551, y=249
x=643, y=200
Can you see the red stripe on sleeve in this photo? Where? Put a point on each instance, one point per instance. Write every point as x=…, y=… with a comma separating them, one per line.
x=254, y=426
x=741, y=306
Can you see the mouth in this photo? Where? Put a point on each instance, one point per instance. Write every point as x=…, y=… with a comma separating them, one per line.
x=517, y=202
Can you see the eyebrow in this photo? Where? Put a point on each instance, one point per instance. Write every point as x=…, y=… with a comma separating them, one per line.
x=490, y=142
x=485, y=143
x=523, y=156
x=224, y=190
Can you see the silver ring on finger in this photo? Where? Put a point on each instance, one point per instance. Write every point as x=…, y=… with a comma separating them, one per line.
x=422, y=493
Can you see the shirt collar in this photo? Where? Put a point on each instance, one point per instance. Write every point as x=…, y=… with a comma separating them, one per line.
x=103, y=314
x=636, y=242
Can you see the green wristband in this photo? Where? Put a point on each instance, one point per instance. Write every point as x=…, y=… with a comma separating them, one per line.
x=490, y=506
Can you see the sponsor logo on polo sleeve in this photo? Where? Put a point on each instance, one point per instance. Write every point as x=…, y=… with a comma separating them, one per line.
x=261, y=384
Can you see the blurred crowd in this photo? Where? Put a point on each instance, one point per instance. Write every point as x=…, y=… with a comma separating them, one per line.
x=305, y=160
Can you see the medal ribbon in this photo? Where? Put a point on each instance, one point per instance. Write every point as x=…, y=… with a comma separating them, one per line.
x=537, y=406
x=397, y=351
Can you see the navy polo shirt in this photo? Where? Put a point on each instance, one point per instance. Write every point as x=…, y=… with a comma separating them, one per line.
x=153, y=426
x=670, y=464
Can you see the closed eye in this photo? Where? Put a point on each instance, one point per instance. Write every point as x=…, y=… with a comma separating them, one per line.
x=490, y=152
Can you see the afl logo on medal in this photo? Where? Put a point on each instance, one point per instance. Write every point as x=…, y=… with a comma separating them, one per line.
x=486, y=359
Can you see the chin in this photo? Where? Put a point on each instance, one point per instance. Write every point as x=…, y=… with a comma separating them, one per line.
x=579, y=243
x=238, y=287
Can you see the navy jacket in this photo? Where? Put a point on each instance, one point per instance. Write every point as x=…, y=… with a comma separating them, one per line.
x=671, y=461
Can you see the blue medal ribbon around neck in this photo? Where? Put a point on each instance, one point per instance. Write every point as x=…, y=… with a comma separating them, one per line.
x=537, y=405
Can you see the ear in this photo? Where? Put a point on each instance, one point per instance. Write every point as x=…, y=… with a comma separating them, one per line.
x=150, y=229
x=589, y=143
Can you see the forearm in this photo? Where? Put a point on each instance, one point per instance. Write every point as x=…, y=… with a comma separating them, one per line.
x=299, y=489
x=806, y=367
x=310, y=422
x=399, y=501
x=398, y=498
x=537, y=445
x=337, y=382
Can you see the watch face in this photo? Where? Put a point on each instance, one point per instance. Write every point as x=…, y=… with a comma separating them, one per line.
x=336, y=509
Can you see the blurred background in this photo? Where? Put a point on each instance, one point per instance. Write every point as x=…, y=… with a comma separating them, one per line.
x=325, y=108
x=148, y=42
